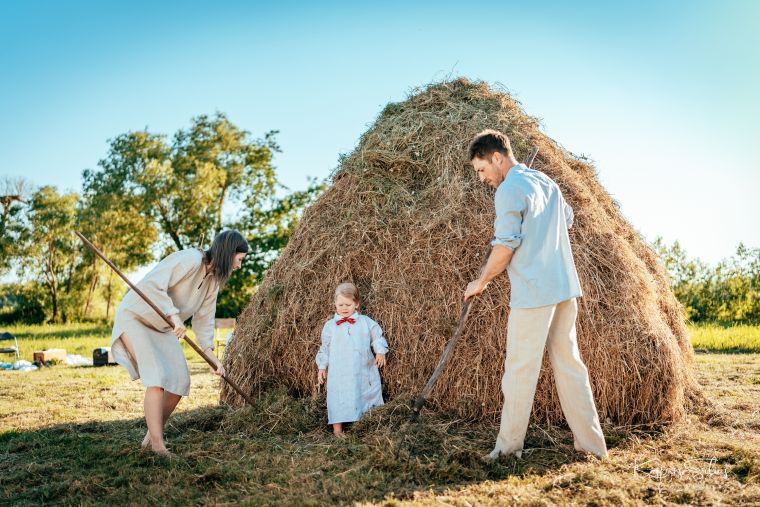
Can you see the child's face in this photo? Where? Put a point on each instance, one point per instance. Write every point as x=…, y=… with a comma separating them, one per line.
x=345, y=307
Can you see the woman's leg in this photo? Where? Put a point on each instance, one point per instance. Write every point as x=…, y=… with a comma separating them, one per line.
x=154, y=417
x=338, y=429
x=170, y=401
x=150, y=396
x=159, y=405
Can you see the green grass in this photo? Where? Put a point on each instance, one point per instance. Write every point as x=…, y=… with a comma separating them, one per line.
x=70, y=436
x=75, y=338
x=725, y=338
x=79, y=338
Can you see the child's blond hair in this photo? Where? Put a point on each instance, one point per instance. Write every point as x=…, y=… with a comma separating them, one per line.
x=348, y=290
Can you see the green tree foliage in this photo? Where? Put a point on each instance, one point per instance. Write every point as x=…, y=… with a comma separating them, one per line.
x=729, y=291
x=13, y=194
x=114, y=224
x=181, y=189
x=52, y=252
x=22, y=302
x=150, y=197
x=268, y=226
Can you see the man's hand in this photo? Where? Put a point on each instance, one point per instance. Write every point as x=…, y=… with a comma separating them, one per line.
x=322, y=376
x=380, y=360
x=496, y=264
x=179, y=327
x=474, y=288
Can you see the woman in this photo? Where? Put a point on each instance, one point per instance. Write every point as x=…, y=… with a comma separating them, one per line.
x=182, y=285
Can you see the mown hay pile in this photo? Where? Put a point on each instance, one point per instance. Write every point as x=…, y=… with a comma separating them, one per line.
x=408, y=222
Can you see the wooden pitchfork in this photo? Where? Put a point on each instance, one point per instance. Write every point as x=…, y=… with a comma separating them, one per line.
x=162, y=315
x=449, y=350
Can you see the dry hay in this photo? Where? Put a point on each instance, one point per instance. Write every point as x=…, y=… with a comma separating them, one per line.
x=407, y=221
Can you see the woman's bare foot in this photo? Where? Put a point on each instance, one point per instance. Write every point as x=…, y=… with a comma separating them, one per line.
x=163, y=452
x=339, y=434
x=146, y=441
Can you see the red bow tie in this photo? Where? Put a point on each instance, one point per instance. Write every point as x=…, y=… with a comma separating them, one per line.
x=346, y=319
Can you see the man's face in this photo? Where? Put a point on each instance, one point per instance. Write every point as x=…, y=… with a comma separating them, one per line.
x=488, y=170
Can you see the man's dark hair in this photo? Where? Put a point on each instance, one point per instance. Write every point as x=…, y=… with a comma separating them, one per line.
x=221, y=255
x=487, y=142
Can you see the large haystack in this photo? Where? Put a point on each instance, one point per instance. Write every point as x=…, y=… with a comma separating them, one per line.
x=408, y=222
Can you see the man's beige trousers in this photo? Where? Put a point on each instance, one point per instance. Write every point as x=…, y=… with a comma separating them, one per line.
x=528, y=331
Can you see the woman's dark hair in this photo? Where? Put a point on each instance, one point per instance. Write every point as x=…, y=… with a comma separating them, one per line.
x=221, y=255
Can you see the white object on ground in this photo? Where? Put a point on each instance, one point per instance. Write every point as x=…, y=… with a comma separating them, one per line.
x=77, y=360
x=23, y=365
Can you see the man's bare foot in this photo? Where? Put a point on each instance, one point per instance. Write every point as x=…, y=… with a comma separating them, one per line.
x=497, y=453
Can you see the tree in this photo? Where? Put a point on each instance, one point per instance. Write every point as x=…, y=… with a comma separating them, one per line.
x=268, y=226
x=13, y=197
x=52, y=249
x=22, y=302
x=182, y=189
x=114, y=224
x=728, y=292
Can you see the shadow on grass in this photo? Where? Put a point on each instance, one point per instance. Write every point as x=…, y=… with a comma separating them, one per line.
x=279, y=451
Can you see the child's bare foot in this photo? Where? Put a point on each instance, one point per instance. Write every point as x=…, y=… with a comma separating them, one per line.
x=339, y=434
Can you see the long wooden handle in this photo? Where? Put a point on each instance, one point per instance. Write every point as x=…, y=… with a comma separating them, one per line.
x=160, y=313
x=448, y=351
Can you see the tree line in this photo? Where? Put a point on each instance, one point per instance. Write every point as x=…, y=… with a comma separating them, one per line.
x=151, y=195
x=727, y=292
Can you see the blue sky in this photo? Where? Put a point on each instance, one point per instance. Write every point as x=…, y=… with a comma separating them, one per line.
x=662, y=95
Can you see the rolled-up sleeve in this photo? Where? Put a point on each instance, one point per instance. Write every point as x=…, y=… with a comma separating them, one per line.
x=569, y=215
x=510, y=204
x=323, y=356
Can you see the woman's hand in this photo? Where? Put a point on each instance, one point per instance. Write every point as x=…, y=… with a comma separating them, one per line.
x=179, y=327
x=217, y=369
x=322, y=376
x=380, y=360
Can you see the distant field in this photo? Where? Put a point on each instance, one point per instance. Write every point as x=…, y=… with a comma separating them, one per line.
x=716, y=338
x=75, y=338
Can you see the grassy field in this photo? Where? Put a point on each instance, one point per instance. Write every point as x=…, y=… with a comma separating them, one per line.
x=70, y=435
x=725, y=338
x=79, y=338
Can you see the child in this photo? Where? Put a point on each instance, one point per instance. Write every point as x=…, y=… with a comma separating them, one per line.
x=353, y=383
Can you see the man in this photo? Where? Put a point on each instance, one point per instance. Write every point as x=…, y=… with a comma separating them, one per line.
x=531, y=241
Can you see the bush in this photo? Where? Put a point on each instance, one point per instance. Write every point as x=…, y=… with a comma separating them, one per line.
x=728, y=292
x=23, y=303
